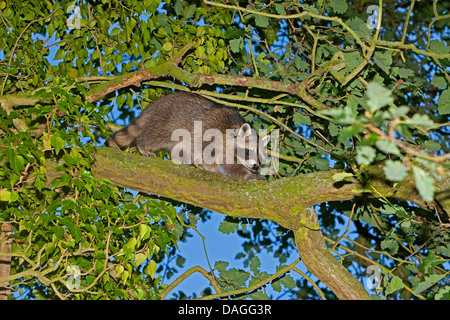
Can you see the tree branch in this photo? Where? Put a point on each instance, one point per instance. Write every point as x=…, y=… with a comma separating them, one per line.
x=283, y=201
x=170, y=69
x=320, y=262
x=5, y=260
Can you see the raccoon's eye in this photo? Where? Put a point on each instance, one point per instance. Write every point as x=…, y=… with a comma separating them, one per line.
x=255, y=167
x=247, y=154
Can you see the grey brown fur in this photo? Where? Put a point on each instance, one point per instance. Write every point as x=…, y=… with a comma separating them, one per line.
x=153, y=129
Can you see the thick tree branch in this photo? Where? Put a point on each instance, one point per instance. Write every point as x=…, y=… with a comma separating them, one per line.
x=5, y=260
x=320, y=262
x=283, y=201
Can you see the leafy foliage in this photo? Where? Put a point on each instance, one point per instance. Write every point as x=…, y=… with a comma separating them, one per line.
x=343, y=94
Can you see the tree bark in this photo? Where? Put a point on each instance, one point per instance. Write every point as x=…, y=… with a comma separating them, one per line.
x=282, y=201
x=321, y=263
x=5, y=260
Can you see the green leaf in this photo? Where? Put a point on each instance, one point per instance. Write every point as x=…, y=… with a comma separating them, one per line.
x=429, y=263
x=288, y=282
x=75, y=231
x=280, y=8
x=420, y=120
x=180, y=261
x=227, y=226
x=167, y=46
x=439, y=47
x=365, y=155
x=346, y=115
x=261, y=21
x=387, y=147
x=234, y=32
x=125, y=275
x=300, y=64
x=276, y=285
x=395, y=170
x=178, y=7
x=14, y=197
x=151, y=269
x=360, y=27
x=432, y=145
x=119, y=269
x=338, y=6
x=350, y=131
x=237, y=277
x=306, y=7
x=58, y=231
x=221, y=265
x=444, y=102
x=189, y=12
x=65, y=179
x=16, y=161
x=398, y=112
x=390, y=244
x=429, y=282
x=144, y=231
x=424, y=183
x=131, y=244
x=395, y=284
x=60, y=54
x=383, y=59
x=377, y=96
x=333, y=129
x=405, y=73
x=140, y=258
x=200, y=52
x=259, y=295
x=5, y=195
x=255, y=263
x=236, y=44
x=300, y=119
x=443, y=294
x=342, y=176
x=57, y=142
x=319, y=162
x=439, y=82
x=116, y=31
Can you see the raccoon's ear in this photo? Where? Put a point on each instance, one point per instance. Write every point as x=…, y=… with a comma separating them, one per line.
x=264, y=140
x=245, y=130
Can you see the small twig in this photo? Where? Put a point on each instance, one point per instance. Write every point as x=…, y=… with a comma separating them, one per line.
x=346, y=230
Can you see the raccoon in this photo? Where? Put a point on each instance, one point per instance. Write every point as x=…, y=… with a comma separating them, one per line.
x=213, y=135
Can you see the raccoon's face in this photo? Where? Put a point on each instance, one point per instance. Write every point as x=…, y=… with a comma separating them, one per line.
x=250, y=148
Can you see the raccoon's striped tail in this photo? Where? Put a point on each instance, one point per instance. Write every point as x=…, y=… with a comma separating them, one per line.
x=124, y=137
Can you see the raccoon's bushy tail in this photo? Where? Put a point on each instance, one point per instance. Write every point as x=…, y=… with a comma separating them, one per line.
x=124, y=137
